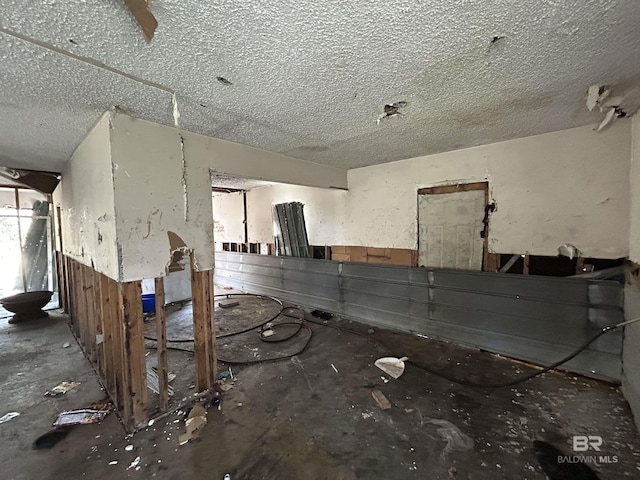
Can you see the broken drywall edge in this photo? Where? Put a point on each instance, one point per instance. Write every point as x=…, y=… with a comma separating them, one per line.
x=143, y=16
x=184, y=180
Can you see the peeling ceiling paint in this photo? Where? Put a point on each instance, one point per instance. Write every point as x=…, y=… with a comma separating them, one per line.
x=309, y=79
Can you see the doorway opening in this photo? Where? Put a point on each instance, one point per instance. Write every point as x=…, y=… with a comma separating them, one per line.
x=453, y=226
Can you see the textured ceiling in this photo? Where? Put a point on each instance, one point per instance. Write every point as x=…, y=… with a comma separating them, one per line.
x=310, y=79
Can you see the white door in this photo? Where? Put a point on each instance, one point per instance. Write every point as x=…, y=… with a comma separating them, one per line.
x=449, y=228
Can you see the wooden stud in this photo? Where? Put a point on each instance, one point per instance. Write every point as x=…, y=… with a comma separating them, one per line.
x=460, y=187
x=89, y=303
x=120, y=373
x=98, y=315
x=109, y=336
x=201, y=327
x=81, y=310
x=134, y=350
x=213, y=356
x=161, y=345
x=68, y=284
x=493, y=262
x=525, y=265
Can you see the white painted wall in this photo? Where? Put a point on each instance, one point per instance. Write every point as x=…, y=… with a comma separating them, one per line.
x=86, y=200
x=569, y=186
x=634, y=176
x=157, y=191
x=249, y=162
x=228, y=216
x=323, y=212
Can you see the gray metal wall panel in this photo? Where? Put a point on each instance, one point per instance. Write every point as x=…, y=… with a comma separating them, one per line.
x=537, y=319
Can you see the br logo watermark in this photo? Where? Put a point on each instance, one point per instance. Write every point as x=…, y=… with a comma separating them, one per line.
x=590, y=446
x=583, y=443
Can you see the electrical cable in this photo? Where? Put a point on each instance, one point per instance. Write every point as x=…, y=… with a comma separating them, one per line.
x=510, y=383
x=264, y=326
x=231, y=334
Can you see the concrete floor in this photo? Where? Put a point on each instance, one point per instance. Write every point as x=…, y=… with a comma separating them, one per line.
x=300, y=419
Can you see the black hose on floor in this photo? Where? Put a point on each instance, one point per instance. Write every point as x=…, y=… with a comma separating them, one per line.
x=264, y=327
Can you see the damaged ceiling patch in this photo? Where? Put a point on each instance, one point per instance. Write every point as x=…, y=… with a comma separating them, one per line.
x=224, y=81
x=392, y=110
x=600, y=96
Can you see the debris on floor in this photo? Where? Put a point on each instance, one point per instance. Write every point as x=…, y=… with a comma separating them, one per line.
x=394, y=367
x=456, y=440
x=381, y=400
x=228, y=303
x=135, y=464
x=61, y=389
x=81, y=417
x=153, y=382
x=66, y=345
x=195, y=421
x=321, y=314
x=50, y=438
x=8, y=416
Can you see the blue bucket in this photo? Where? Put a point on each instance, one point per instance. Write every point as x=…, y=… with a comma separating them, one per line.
x=148, y=302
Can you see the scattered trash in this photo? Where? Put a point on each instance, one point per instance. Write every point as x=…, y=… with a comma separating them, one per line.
x=453, y=471
x=151, y=422
x=239, y=404
x=80, y=417
x=50, y=438
x=153, y=382
x=334, y=368
x=267, y=333
x=224, y=374
x=321, y=314
x=394, y=367
x=115, y=462
x=227, y=477
x=61, y=389
x=196, y=419
x=456, y=440
x=371, y=331
x=128, y=448
x=381, y=400
x=408, y=410
x=225, y=387
x=384, y=379
x=8, y=416
x=568, y=250
x=66, y=345
x=134, y=464
x=228, y=303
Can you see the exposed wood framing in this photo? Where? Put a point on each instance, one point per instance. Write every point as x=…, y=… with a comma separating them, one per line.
x=134, y=350
x=107, y=317
x=161, y=345
x=492, y=262
x=525, y=265
x=460, y=187
x=203, y=327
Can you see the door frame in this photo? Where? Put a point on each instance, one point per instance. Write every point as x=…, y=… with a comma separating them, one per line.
x=455, y=188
